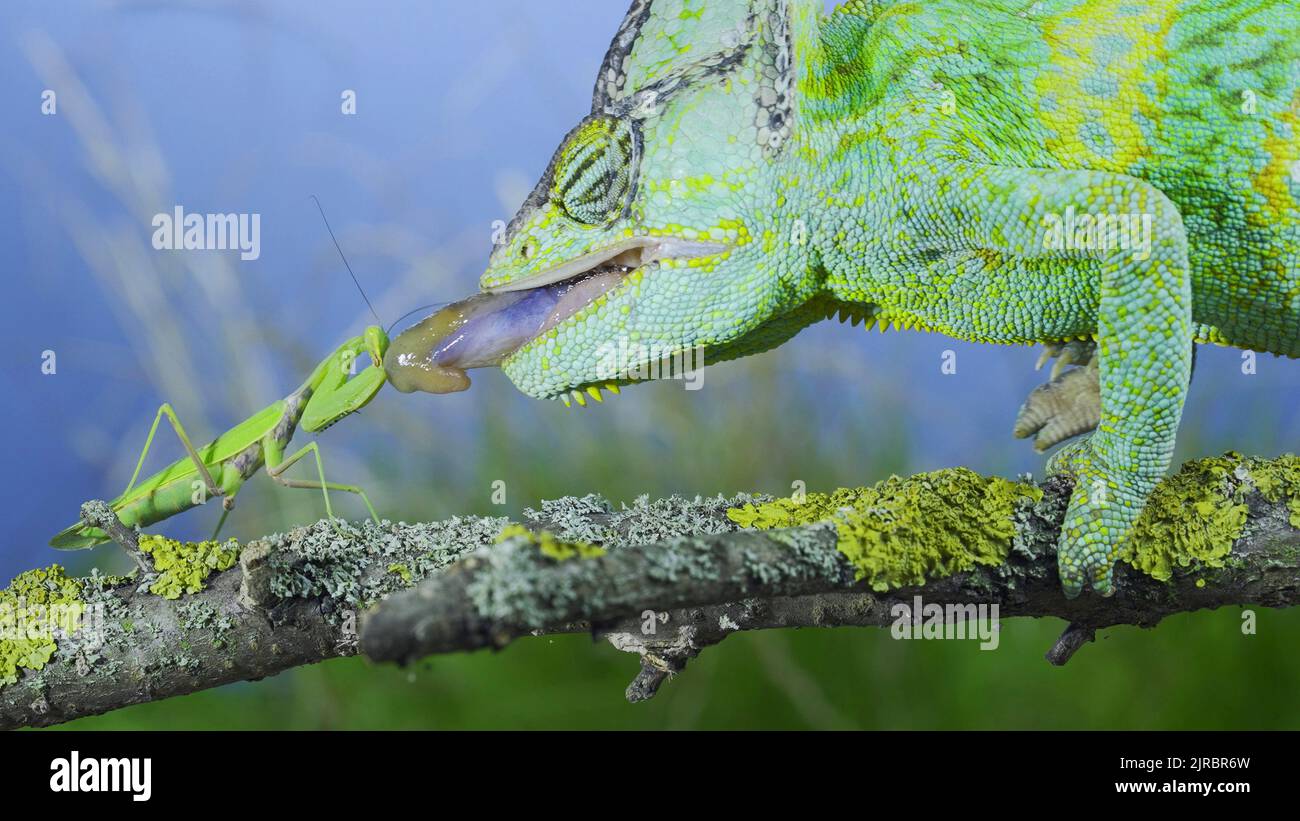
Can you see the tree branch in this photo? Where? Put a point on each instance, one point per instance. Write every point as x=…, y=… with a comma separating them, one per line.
x=675, y=577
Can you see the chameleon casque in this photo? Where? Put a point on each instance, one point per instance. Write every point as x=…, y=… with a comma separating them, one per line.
x=750, y=167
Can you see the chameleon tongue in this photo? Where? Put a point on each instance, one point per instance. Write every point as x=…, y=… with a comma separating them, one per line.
x=481, y=331
x=427, y=356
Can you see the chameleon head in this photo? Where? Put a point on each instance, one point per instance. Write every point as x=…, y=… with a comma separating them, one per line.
x=661, y=224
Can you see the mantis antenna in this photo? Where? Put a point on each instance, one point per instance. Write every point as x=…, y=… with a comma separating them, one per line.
x=416, y=311
x=343, y=257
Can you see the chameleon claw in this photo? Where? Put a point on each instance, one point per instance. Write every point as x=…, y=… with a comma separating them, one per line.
x=1073, y=353
x=1049, y=352
x=1071, y=582
x=1067, y=406
x=1103, y=580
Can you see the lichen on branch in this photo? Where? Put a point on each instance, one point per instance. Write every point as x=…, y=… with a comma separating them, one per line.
x=1222, y=531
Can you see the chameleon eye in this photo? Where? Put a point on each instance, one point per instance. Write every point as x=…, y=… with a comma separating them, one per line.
x=592, y=178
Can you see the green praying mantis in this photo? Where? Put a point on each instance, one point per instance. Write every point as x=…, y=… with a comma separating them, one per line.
x=219, y=469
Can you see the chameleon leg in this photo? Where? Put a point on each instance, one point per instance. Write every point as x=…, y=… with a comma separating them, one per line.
x=1068, y=405
x=1023, y=282
x=166, y=410
x=276, y=472
x=1145, y=345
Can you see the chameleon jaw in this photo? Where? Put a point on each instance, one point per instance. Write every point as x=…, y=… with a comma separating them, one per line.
x=611, y=268
x=630, y=254
x=490, y=327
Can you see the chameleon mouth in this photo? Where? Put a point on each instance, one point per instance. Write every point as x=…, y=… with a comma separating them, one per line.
x=628, y=254
x=487, y=328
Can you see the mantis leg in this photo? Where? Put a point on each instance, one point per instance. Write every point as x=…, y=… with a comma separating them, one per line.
x=225, y=511
x=166, y=410
x=276, y=472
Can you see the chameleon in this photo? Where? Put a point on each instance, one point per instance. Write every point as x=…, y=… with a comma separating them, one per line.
x=1116, y=180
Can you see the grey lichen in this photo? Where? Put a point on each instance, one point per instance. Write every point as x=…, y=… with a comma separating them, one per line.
x=350, y=564
x=811, y=555
x=202, y=618
x=593, y=518
x=515, y=583
x=647, y=521
x=576, y=518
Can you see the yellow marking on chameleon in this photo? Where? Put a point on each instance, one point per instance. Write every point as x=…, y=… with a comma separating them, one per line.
x=1071, y=35
x=1282, y=147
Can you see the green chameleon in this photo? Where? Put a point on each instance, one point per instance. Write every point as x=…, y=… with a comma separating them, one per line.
x=1115, y=179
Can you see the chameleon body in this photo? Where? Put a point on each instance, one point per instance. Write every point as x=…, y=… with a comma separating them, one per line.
x=1007, y=172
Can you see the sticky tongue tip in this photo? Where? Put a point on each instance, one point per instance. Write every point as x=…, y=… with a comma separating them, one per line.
x=409, y=374
x=432, y=380
x=433, y=355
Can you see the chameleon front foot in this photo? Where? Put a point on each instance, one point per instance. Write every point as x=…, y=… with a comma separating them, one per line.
x=1102, y=510
x=1068, y=405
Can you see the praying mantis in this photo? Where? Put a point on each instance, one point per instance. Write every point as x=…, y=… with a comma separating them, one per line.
x=416, y=360
x=334, y=390
x=220, y=468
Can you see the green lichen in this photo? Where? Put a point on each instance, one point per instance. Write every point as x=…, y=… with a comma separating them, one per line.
x=1194, y=517
x=402, y=572
x=904, y=531
x=1278, y=479
x=37, y=609
x=184, y=566
x=549, y=545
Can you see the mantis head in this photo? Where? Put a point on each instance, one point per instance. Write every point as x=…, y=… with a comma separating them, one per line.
x=662, y=223
x=339, y=386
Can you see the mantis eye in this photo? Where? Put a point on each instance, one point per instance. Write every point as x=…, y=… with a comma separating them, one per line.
x=593, y=171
